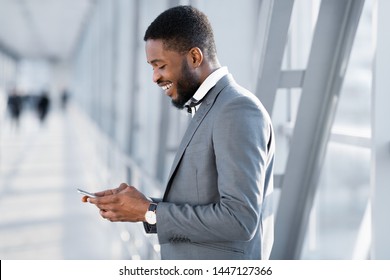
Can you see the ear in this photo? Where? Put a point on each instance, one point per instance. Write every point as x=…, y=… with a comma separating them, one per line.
x=195, y=57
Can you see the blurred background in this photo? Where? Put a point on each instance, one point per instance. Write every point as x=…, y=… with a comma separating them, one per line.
x=78, y=109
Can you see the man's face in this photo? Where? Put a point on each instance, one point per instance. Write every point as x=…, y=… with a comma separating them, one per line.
x=172, y=73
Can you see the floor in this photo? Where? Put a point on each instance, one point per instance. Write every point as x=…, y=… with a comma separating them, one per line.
x=41, y=213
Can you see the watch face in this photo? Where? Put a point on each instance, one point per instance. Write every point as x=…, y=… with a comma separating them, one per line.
x=150, y=217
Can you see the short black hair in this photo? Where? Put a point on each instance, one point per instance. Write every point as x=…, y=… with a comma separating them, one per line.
x=182, y=28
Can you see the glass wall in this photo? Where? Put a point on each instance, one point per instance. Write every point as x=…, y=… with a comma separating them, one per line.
x=338, y=218
x=343, y=193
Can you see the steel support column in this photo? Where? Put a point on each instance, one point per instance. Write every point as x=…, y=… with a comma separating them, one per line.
x=380, y=246
x=134, y=88
x=274, y=22
x=332, y=42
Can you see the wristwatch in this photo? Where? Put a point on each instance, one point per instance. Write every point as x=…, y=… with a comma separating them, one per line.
x=150, y=215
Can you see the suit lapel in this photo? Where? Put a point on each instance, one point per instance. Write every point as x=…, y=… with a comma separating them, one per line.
x=194, y=124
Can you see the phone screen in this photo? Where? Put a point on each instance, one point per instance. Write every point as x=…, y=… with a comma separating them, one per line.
x=86, y=193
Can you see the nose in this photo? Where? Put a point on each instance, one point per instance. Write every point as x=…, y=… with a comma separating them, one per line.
x=156, y=75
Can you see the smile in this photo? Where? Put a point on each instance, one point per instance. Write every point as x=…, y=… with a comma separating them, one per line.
x=167, y=86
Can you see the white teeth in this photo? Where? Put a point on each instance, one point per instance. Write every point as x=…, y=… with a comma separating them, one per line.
x=166, y=87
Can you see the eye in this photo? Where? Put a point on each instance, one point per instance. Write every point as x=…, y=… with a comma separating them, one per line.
x=157, y=67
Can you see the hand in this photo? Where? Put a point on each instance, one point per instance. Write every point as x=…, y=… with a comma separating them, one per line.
x=123, y=204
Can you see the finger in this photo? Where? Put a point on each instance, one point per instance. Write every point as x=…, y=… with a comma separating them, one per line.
x=104, y=201
x=103, y=213
x=108, y=215
x=104, y=193
x=91, y=200
x=122, y=187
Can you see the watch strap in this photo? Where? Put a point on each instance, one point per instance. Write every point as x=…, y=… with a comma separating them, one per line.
x=152, y=207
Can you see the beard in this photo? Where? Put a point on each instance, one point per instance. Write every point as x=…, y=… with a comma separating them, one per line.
x=187, y=85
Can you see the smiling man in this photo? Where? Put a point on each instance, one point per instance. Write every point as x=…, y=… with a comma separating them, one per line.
x=218, y=199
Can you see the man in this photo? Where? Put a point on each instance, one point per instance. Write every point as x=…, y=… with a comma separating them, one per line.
x=217, y=203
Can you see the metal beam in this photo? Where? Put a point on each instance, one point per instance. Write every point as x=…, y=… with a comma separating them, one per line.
x=291, y=79
x=380, y=175
x=8, y=52
x=134, y=88
x=332, y=42
x=114, y=20
x=274, y=22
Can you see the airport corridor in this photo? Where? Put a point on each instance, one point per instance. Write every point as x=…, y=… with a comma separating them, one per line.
x=41, y=214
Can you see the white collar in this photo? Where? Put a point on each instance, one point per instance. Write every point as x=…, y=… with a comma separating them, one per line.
x=207, y=84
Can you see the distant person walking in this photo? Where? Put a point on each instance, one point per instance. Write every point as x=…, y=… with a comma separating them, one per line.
x=43, y=106
x=64, y=99
x=14, y=106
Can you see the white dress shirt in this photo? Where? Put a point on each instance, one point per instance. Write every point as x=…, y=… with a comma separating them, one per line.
x=207, y=84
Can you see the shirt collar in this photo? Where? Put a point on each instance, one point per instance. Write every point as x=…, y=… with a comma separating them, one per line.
x=209, y=83
x=204, y=88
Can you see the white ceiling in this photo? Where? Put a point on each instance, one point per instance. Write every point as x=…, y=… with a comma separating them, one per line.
x=42, y=28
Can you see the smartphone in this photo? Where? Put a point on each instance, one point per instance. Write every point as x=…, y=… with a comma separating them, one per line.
x=86, y=193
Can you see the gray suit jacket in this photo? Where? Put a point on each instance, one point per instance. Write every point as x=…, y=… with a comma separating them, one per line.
x=217, y=203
